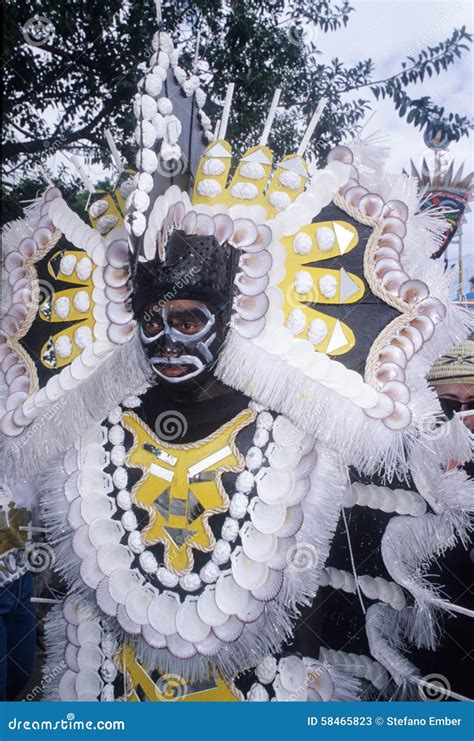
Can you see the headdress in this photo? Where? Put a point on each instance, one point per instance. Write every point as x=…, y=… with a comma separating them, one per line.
x=449, y=191
x=337, y=309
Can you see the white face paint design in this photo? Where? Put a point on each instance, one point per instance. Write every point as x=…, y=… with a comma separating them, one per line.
x=171, y=348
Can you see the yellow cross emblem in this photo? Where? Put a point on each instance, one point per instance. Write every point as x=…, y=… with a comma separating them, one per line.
x=181, y=486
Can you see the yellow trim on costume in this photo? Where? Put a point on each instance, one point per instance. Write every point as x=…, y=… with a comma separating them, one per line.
x=171, y=687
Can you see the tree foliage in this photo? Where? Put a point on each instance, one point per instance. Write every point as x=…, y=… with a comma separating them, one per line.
x=64, y=92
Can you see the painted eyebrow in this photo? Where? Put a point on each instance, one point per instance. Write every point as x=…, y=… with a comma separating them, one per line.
x=188, y=314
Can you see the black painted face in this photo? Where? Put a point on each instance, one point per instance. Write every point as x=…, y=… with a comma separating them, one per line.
x=182, y=339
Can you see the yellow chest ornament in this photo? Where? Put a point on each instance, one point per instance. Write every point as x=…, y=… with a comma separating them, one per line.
x=181, y=486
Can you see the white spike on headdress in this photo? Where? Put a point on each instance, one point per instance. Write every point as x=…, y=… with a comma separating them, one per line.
x=114, y=151
x=226, y=110
x=270, y=117
x=311, y=126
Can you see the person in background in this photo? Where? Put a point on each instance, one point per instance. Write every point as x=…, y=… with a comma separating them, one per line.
x=17, y=612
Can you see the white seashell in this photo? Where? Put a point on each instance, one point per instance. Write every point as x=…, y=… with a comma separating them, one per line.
x=129, y=520
x=190, y=582
x=144, y=182
x=138, y=222
x=208, y=610
x=90, y=571
x=103, y=598
x=104, y=530
x=89, y=656
x=230, y=597
x=244, y=482
x=117, y=455
x=121, y=581
x=245, y=191
x=116, y=434
x=179, y=647
x=267, y=518
x=210, y=647
x=145, y=135
x=81, y=544
x=166, y=577
x=67, y=686
x=254, y=458
x=83, y=337
x=296, y=321
x=62, y=307
x=266, y=670
x=120, y=477
x=238, y=505
x=106, y=223
x=147, y=160
x=290, y=179
x=125, y=622
x=283, y=458
x=252, y=611
x=317, y=331
x=271, y=587
x=144, y=107
x=153, y=637
x=328, y=285
x=113, y=556
x=261, y=437
x=70, y=657
x=89, y=631
x=274, y=486
x=63, y=346
x=213, y=166
x=293, y=522
x=257, y=546
x=279, y=199
x=209, y=573
x=252, y=170
x=67, y=264
x=137, y=603
x=325, y=238
x=257, y=693
x=209, y=187
x=265, y=419
x=138, y=200
x=153, y=86
x=230, y=631
x=82, y=301
x=292, y=673
x=303, y=282
x=135, y=542
x=162, y=613
x=108, y=670
x=109, y=645
x=75, y=609
x=189, y=624
x=165, y=106
x=285, y=433
x=246, y=572
x=221, y=552
x=124, y=499
x=148, y=562
x=97, y=209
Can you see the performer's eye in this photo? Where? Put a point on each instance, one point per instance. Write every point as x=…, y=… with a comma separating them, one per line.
x=187, y=326
x=153, y=326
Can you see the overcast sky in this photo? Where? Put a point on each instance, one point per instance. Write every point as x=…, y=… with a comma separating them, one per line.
x=387, y=31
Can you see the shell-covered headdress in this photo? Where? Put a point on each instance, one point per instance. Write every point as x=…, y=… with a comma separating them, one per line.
x=337, y=310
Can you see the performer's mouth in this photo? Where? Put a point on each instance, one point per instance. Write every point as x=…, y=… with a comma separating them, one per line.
x=172, y=371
